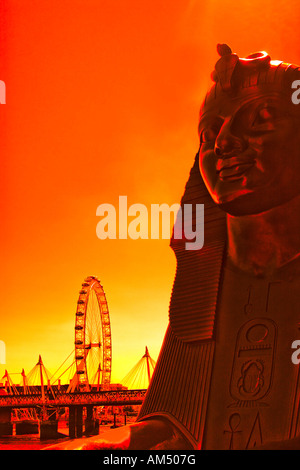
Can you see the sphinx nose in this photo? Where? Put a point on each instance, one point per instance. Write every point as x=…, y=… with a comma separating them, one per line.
x=218, y=150
x=227, y=144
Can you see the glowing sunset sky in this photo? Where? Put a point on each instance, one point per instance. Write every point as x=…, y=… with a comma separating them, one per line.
x=103, y=100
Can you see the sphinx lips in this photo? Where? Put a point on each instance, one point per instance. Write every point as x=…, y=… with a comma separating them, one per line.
x=233, y=169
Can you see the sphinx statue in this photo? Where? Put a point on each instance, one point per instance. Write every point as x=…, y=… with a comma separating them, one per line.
x=224, y=377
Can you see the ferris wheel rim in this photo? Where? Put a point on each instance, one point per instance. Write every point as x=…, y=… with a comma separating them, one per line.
x=92, y=288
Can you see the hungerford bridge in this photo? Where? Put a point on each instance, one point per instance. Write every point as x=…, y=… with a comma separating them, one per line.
x=38, y=400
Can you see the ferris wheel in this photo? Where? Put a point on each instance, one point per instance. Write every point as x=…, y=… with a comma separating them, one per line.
x=92, y=337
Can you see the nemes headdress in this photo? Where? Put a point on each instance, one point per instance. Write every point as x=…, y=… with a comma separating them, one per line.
x=233, y=74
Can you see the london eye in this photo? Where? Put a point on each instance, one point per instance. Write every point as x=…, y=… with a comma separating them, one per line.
x=92, y=337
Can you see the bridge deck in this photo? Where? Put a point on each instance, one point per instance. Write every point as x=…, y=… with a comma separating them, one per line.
x=103, y=398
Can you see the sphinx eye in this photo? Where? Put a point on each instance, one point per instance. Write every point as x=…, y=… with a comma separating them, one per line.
x=264, y=115
x=209, y=134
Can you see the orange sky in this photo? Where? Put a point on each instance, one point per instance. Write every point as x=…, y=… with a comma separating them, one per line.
x=102, y=100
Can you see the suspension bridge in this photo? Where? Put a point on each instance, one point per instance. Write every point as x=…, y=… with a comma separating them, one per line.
x=82, y=383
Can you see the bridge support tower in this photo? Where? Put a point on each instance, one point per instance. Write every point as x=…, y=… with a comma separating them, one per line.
x=75, y=421
x=91, y=424
x=49, y=427
x=6, y=426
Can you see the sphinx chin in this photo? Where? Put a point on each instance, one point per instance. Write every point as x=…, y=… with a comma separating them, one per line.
x=243, y=204
x=256, y=202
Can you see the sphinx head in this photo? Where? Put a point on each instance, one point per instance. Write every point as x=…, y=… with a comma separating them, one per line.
x=249, y=131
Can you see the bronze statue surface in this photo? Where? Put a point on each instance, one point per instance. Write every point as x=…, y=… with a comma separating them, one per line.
x=224, y=378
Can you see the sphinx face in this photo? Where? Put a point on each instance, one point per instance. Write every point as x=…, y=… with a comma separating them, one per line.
x=249, y=154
